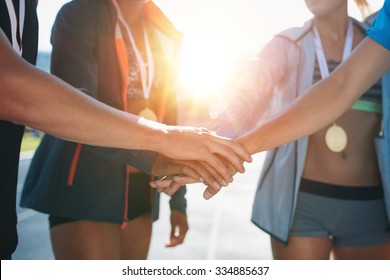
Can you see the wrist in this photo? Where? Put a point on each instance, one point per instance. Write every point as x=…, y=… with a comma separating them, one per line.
x=246, y=142
x=253, y=141
x=156, y=138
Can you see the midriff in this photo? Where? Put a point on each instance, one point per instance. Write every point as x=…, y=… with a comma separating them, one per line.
x=357, y=164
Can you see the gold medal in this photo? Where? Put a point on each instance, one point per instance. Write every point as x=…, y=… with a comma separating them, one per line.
x=148, y=114
x=336, y=138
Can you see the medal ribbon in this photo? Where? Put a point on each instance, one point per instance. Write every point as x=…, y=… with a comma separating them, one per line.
x=335, y=137
x=14, y=24
x=323, y=65
x=146, y=69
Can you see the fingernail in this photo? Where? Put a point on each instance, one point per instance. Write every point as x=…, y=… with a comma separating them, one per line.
x=225, y=183
x=207, y=195
x=201, y=179
x=217, y=185
x=153, y=184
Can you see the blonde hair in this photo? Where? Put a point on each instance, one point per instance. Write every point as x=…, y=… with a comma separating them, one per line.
x=364, y=7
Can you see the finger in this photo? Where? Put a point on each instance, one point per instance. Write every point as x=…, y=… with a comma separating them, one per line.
x=209, y=175
x=191, y=169
x=172, y=241
x=177, y=237
x=215, y=174
x=222, y=148
x=162, y=183
x=168, y=186
x=232, y=151
x=231, y=169
x=240, y=150
x=218, y=165
x=183, y=180
x=209, y=193
x=235, y=146
x=173, y=188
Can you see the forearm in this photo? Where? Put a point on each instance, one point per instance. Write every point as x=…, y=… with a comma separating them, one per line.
x=324, y=102
x=37, y=99
x=307, y=114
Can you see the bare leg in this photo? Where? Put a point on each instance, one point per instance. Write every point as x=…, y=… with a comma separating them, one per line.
x=135, y=238
x=86, y=240
x=379, y=252
x=302, y=248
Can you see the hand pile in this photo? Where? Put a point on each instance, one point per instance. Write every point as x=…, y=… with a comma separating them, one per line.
x=200, y=156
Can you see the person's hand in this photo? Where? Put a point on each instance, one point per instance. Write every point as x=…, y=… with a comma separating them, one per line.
x=170, y=184
x=197, y=171
x=188, y=143
x=179, y=228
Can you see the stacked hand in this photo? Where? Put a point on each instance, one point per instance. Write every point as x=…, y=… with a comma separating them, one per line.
x=200, y=156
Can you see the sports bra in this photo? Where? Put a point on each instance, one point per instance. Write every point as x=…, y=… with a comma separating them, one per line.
x=370, y=101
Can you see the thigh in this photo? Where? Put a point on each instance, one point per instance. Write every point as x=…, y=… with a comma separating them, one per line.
x=86, y=240
x=135, y=238
x=378, y=252
x=302, y=248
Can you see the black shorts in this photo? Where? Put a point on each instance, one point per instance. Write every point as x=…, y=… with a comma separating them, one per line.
x=140, y=199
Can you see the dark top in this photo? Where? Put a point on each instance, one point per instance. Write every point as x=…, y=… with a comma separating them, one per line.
x=11, y=134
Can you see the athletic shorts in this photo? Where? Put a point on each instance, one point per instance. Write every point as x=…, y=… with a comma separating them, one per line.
x=139, y=200
x=349, y=216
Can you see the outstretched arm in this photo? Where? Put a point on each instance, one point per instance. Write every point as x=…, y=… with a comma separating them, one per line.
x=324, y=102
x=319, y=106
x=32, y=97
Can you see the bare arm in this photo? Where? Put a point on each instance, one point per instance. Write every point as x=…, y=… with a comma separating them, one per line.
x=324, y=102
x=32, y=97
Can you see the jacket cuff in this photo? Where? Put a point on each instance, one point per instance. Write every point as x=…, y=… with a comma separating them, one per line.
x=140, y=159
x=178, y=201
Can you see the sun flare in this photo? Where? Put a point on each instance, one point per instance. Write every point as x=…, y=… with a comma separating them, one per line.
x=205, y=67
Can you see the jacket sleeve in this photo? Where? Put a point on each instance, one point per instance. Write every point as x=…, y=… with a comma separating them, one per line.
x=252, y=95
x=178, y=200
x=140, y=159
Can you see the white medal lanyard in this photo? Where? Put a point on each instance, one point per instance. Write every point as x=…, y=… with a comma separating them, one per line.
x=146, y=69
x=322, y=63
x=18, y=47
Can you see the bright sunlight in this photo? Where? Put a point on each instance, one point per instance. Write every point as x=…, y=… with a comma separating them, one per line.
x=205, y=65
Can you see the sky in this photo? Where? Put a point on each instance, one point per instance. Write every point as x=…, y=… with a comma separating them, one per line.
x=217, y=33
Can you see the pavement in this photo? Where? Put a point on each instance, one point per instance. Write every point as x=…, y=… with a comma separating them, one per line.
x=220, y=229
